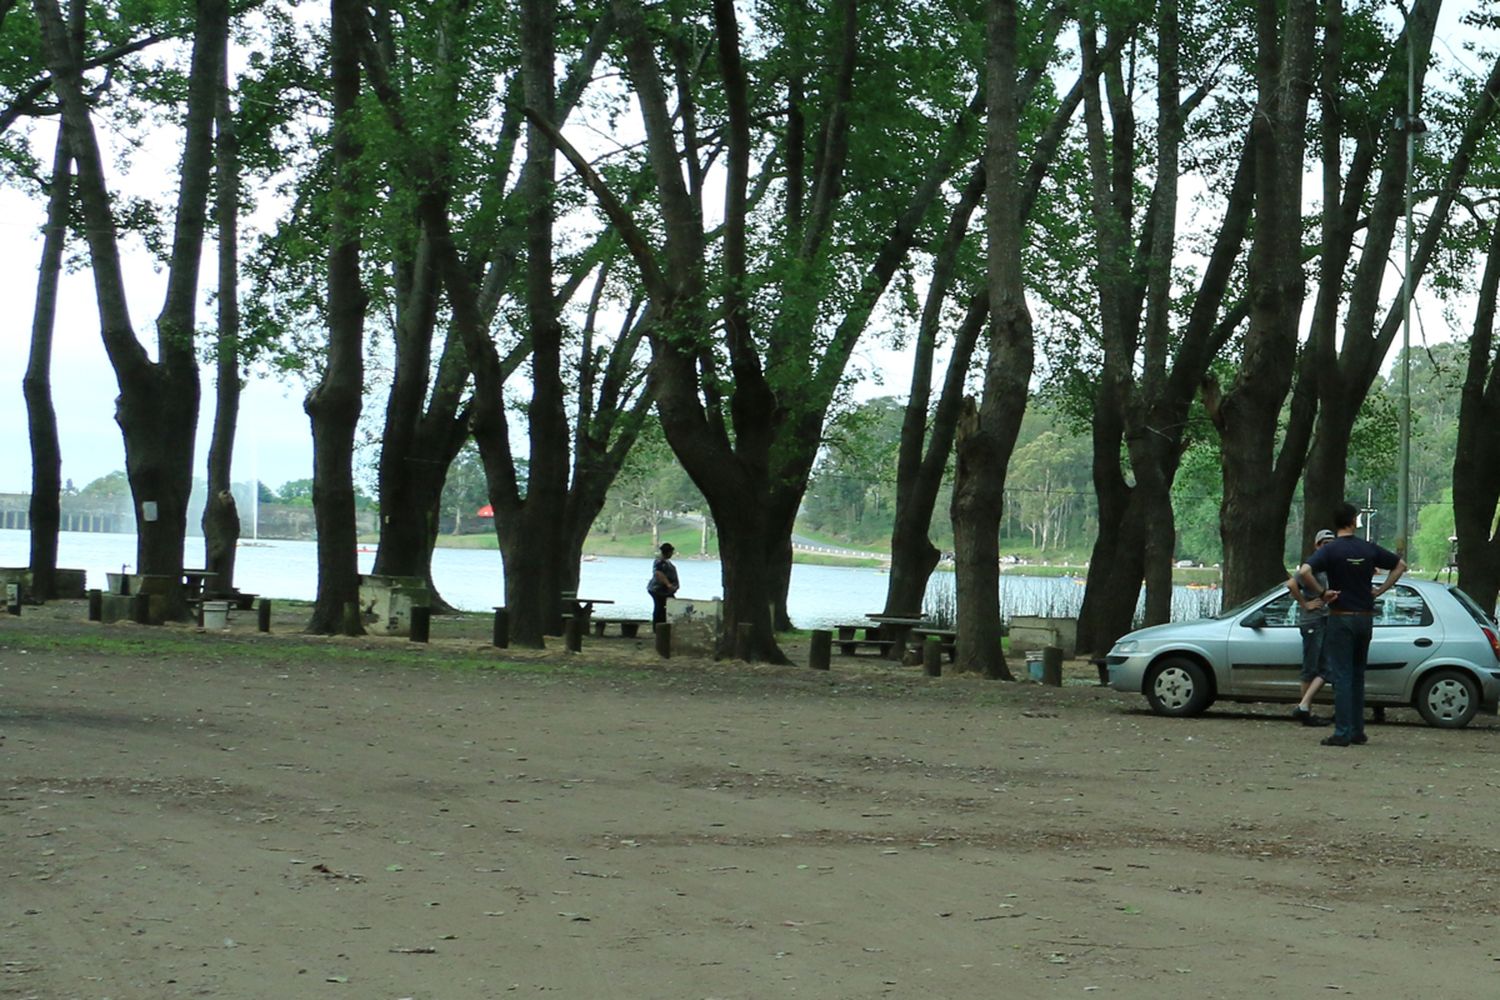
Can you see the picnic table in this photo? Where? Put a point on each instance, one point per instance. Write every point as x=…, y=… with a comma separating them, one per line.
x=897, y=630
x=947, y=638
x=581, y=606
x=194, y=581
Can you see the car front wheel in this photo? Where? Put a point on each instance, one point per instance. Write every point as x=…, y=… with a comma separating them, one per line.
x=1447, y=699
x=1177, y=686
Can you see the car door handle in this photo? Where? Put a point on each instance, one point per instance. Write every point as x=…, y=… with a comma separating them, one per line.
x=1424, y=642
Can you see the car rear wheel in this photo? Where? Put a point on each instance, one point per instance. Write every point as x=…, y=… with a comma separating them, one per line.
x=1177, y=686
x=1448, y=699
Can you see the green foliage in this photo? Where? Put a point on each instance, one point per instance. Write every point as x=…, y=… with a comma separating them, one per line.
x=852, y=492
x=1197, y=493
x=1431, y=549
x=465, y=492
x=1047, y=488
x=650, y=488
x=299, y=493
x=115, y=486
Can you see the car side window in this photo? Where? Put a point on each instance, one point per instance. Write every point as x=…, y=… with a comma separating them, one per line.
x=1401, y=606
x=1281, y=611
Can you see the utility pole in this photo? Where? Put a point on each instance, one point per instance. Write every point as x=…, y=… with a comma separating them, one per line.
x=1412, y=126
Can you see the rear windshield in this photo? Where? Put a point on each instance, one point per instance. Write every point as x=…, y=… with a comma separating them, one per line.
x=1472, y=607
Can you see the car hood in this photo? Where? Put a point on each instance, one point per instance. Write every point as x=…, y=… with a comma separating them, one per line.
x=1199, y=630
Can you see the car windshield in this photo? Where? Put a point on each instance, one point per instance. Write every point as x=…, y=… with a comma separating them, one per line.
x=1240, y=609
x=1472, y=607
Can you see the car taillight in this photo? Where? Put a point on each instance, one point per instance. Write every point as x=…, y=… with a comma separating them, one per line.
x=1489, y=634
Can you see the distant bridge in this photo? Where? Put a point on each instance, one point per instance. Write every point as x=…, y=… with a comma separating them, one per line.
x=77, y=514
x=800, y=545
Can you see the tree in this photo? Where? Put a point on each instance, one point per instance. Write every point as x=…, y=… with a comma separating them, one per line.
x=221, y=518
x=1476, y=461
x=464, y=489
x=158, y=405
x=1342, y=376
x=490, y=242
x=754, y=320
x=986, y=431
x=651, y=486
x=1432, y=544
x=1046, y=478
x=1153, y=347
x=114, y=486
x=851, y=492
x=928, y=428
x=46, y=451
x=1257, y=489
x=333, y=405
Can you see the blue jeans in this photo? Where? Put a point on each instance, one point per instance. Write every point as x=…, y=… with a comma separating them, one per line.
x=1346, y=648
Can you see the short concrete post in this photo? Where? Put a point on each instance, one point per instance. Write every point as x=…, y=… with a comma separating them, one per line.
x=13, y=598
x=932, y=656
x=421, y=622
x=263, y=615
x=573, y=633
x=96, y=605
x=821, y=652
x=1052, y=666
x=664, y=640
x=500, y=639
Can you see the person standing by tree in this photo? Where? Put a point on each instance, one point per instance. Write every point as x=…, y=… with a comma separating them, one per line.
x=663, y=583
x=1350, y=563
x=1312, y=616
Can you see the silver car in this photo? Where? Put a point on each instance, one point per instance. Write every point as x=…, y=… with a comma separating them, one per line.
x=1433, y=648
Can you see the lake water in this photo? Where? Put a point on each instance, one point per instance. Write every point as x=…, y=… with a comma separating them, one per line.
x=472, y=579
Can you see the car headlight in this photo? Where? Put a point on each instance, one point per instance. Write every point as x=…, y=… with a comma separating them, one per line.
x=1126, y=646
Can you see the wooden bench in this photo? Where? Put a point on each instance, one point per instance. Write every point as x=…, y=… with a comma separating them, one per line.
x=629, y=627
x=850, y=644
x=851, y=647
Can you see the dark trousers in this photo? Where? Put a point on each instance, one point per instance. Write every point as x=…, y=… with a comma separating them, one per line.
x=1346, y=648
x=658, y=609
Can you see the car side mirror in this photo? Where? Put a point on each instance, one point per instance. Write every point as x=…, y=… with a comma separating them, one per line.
x=1256, y=619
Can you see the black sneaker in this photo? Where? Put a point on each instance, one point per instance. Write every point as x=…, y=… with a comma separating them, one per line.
x=1359, y=740
x=1306, y=717
x=1334, y=741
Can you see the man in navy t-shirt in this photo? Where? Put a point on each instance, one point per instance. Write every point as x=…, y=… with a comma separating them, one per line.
x=1350, y=563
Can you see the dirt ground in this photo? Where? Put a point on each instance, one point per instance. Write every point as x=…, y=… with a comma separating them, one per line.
x=241, y=816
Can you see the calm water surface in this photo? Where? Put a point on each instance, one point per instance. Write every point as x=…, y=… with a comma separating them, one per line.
x=472, y=579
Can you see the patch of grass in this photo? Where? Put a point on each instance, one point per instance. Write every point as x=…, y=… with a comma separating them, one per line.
x=287, y=648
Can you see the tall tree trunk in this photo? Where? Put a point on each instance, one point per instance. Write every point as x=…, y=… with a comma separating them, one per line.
x=531, y=536
x=36, y=386
x=1252, y=521
x=1144, y=416
x=158, y=405
x=987, y=433
x=1476, y=461
x=221, y=518
x=927, y=440
x=418, y=446
x=919, y=474
x=1116, y=562
x=333, y=405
